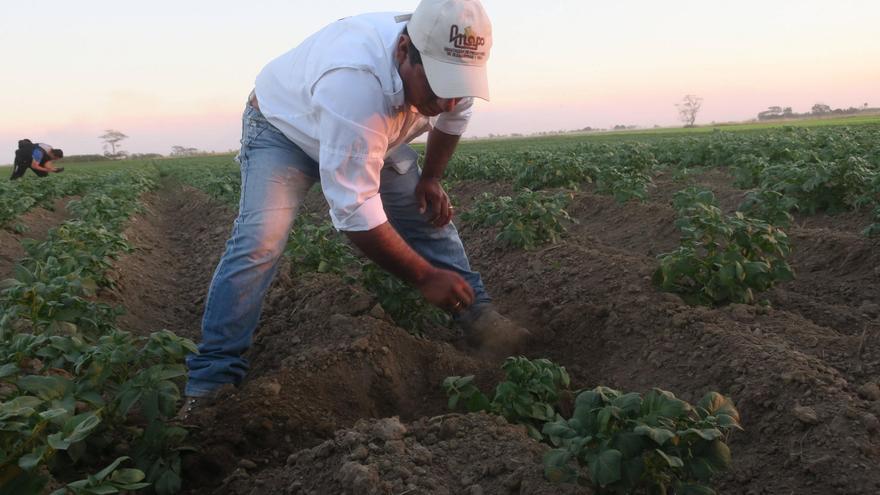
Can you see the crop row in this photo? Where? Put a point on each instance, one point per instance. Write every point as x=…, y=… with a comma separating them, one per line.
x=808, y=170
x=17, y=197
x=79, y=395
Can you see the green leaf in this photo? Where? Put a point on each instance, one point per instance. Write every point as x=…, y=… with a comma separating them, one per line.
x=168, y=483
x=671, y=460
x=658, y=434
x=127, y=476
x=85, y=423
x=53, y=413
x=630, y=403
x=662, y=404
x=45, y=387
x=557, y=466
x=629, y=443
x=709, y=459
x=8, y=369
x=33, y=459
x=57, y=441
x=705, y=433
x=605, y=467
x=100, y=475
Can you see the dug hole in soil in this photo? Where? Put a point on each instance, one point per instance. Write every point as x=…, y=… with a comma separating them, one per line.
x=340, y=400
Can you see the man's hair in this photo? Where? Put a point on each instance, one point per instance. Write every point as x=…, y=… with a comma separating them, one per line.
x=412, y=53
x=58, y=153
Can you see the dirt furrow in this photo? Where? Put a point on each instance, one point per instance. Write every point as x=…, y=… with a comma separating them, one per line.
x=177, y=239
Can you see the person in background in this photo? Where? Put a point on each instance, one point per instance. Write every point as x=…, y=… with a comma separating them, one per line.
x=38, y=157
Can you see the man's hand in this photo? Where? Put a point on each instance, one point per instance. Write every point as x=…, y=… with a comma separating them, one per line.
x=447, y=290
x=433, y=199
x=442, y=288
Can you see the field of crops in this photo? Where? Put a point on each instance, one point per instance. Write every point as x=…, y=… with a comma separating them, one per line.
x=705, y=308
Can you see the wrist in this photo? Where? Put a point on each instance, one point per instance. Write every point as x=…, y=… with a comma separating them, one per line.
x=423, y=274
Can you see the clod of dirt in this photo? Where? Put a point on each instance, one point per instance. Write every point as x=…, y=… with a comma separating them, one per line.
x=870, y=391
x=449, y=454
x=806, y=415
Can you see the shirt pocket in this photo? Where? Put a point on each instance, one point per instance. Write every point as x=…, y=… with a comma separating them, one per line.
x=402, y=159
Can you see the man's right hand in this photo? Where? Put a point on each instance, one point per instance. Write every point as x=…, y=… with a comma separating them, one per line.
x=447, y=290
x=442, y=288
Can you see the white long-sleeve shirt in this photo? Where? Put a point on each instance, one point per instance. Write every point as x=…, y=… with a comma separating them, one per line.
x=339, y=97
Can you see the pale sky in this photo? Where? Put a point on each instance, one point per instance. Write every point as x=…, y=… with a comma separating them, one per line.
x=177, y=72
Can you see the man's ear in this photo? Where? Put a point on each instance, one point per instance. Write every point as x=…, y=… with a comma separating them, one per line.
x=400, y=53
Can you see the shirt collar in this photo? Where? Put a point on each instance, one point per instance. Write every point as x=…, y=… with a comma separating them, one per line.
x=397, y=100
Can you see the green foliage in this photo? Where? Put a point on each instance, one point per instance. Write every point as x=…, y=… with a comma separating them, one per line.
x=219, y=177
x=528, y=395
x=72, y=385
x=771, y=206
x=721, y=258
x=111, y=479
x=19, y=196
x=630, y=444
x=546, y=169
x=405, y=305
x=832, y=186
x=485, y=166
x=526, y=220
x=318, y=247
x=625, y=171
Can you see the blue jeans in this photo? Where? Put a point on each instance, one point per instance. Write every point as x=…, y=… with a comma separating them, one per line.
x=275, y=177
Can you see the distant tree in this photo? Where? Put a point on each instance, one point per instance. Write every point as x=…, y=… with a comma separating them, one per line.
x=185, y=151
x=821, y=109
x=688, y=108
x=111, y=139
x=770, y=113
x=787, y=112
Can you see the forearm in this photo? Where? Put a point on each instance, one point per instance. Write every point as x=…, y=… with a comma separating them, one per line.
x=384, y=246
x=42, y=168
x=438, y=151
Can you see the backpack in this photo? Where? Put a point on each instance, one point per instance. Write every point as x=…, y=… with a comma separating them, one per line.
x=23, y=156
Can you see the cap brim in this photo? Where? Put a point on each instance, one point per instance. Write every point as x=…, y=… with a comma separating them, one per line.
x=456, y=80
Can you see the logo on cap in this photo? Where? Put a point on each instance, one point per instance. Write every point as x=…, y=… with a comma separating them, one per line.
x=466, y=43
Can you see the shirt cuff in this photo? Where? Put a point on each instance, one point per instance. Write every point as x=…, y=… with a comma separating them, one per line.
x=369, y=215
x=451, y=126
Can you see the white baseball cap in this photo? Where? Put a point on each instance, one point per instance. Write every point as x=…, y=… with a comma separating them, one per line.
x=453, y=38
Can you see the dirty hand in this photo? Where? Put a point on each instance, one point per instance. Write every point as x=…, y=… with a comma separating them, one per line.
x=447, y=290
x=433, y=199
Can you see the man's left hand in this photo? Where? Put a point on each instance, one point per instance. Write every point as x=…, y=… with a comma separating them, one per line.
x=434, y=200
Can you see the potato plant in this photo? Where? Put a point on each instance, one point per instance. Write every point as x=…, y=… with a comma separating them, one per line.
x=629, y=443
x=771, y=206
x=318, y=247
x=529, y=394
x=722, y=258
x=526, y=220
x=545, y=169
